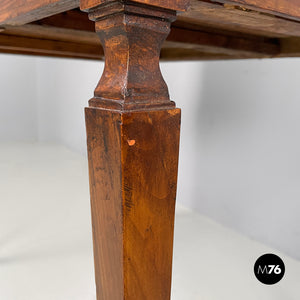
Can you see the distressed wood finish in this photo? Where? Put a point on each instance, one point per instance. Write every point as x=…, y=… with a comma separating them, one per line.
x=72, y=19
x=47, y=47
x=219, y=43
x=204, y=14
x=181, y=43
x=236, y=19
x=133, y=175
x=208, y=30
x=285, y=8
x=132, y=37
x=133, y=143
x=18, y=12
x=132, y=125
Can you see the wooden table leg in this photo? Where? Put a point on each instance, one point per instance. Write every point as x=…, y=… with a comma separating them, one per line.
x=133, y=141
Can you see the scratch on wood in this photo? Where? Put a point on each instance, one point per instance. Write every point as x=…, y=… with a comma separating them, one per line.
x=131, y=142
x=128, y=197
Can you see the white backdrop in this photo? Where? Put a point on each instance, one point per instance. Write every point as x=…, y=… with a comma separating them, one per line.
x=18, y=112
x=240, y=145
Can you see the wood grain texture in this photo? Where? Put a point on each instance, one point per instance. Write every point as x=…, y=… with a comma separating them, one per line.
x=182, y=44
x=181, y=54
x=47, y=47
x=53, y=33
x=133, y=159
x=285, y=8
x=208, y=15
x=234, y=19
x=132, y=40
x=196, y=38
x=222, y=43
x=150, y=161
x=72, y=19
x=133, y=144
x=206, y=31
x=178, y=5
x=104, y=153
x=18, y=12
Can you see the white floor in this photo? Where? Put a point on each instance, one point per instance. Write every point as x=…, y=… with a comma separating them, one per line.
x=46, y=244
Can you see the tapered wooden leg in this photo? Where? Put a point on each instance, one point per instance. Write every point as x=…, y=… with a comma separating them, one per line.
x=133, y=173
x=133, y=141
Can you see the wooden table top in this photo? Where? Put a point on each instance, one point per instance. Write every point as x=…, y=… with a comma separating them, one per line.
x=218, y=29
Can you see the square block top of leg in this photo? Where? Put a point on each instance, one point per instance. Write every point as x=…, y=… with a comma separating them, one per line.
x=178, y=5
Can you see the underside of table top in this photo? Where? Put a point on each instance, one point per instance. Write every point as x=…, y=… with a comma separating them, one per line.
x=220, y=29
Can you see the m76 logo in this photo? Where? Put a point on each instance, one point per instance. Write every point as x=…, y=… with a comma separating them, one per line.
x=269, y=269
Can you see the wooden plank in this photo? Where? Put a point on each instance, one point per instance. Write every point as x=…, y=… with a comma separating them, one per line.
x=179, y=5
x=44, y=47
x=182, y=44
x=210, y=17
x=171, y=51
x=19, y=12
x=218, y=43
x=229, y=18
x=167, y=54
x=203, y=15
x=182, y=54
x=72, y=19
x=53, y=33
x=290, y=47
x=285, y=8
x=59, y=41
x=208, y=42
x=26, y=52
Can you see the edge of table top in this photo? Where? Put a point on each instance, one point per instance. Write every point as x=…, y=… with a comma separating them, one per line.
x=235, y=29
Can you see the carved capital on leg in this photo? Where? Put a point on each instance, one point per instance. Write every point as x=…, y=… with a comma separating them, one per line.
x=132, y=35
